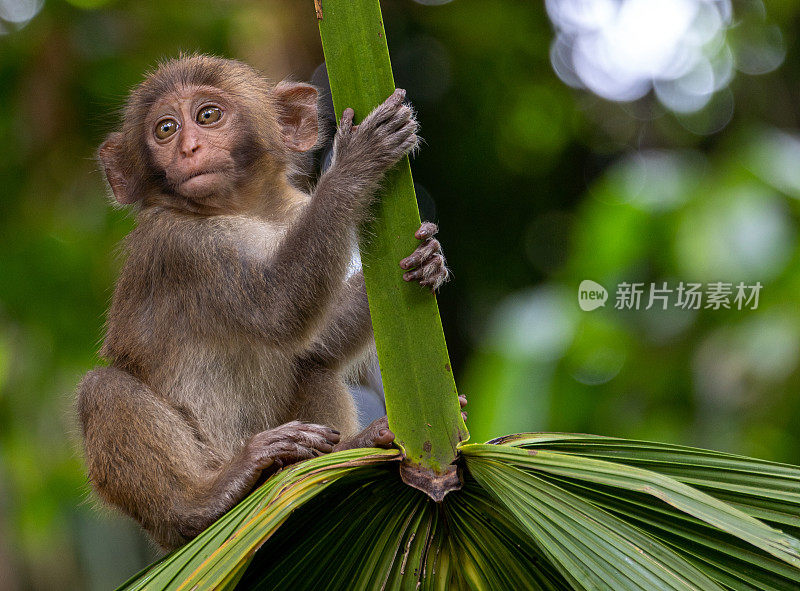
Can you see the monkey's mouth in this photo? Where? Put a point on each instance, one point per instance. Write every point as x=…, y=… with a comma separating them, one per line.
x=197, y=174
x=198, y=184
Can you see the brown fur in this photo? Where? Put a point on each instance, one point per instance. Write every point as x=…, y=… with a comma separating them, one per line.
x=230, y=320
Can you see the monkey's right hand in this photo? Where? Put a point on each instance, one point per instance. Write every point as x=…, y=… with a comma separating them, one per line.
x=269, y=451
x=379, y=141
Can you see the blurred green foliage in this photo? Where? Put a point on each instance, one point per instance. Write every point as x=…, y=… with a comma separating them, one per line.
x=536, y=186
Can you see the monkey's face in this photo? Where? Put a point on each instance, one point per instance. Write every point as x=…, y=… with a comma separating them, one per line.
x=208, y=134
x=191, y=135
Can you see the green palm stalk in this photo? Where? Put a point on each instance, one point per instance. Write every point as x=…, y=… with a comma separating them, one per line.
x=540, y=511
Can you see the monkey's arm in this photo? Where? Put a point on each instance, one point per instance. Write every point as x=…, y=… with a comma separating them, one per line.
x=152, y=460
x=345, y=337
x=315, y=253
x=349, y=331
x=289, y=292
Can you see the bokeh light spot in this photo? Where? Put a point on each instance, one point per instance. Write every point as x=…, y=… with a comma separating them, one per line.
x=537, y=324
x=19, y=12
x=683, y=50
x=743, y=233
x=774, y=157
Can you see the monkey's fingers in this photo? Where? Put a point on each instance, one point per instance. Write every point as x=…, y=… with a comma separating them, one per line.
x=324, y=430
x=388, y=110
x=423, y=253
x=398, y=132
x=408, y=136
x=432, y=273
x=462, y=400
x=414, y=275
x=397, y=97
x=284, y=453
x=427, y=249
x=426, y=230
x=346, y=123
x=400, y=119
x=270, y=458
x=310, y=435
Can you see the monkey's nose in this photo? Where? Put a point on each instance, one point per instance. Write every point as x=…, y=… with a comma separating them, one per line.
x=189, y=149
x=189, y=145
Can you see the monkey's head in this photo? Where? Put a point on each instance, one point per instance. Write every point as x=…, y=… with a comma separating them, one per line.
x=201, y=132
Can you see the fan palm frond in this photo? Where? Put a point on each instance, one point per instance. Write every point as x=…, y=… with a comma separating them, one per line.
x=536, y=511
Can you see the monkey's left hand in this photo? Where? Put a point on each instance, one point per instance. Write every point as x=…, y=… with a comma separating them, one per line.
x=426, y=264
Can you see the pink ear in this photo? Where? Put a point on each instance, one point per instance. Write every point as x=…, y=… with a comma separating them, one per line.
x=297, y=114
x=110, y=156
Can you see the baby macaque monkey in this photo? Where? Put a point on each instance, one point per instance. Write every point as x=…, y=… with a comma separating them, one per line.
x=232, y=322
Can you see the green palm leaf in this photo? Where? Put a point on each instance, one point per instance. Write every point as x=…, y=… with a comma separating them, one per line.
x=545, y=511
x=255, y=519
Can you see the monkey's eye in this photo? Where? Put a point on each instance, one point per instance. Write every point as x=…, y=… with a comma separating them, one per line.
x=165, y=128
x=209, y=115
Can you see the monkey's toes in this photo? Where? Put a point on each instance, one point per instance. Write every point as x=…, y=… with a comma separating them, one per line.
x=376, y=434
x=379, y=435
x=384, y=438
x=320, y=437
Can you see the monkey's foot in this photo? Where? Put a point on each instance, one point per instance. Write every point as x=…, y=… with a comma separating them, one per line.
x=377, y=434
x=426, y=264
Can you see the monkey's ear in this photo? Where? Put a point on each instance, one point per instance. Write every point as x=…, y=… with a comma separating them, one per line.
x=110, y=157
x=297, y=114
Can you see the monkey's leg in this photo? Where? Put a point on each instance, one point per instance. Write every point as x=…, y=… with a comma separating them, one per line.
x=152, y=460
